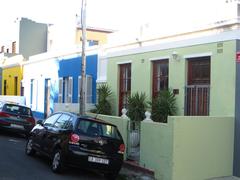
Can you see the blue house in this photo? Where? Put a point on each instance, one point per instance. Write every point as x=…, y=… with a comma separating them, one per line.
x=51, y=81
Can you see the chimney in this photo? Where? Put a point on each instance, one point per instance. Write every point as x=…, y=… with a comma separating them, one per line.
x=14, y=47
x=2, y=49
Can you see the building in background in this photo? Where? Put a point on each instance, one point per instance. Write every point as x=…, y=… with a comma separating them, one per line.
x=95, y=36
x=51, y=81
x=28, y=38
x=12, y=73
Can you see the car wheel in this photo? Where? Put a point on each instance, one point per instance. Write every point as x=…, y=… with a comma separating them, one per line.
x=57, y=165
x=29, y=147
x=111, y=176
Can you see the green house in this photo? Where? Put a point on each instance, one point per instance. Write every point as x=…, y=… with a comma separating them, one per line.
x=199, y=67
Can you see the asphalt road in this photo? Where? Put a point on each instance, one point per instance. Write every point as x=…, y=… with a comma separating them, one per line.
x=14, y=164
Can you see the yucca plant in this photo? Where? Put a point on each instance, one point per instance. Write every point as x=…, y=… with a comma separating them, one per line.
x=137, y=106
x=103, y=105
x=163, y=105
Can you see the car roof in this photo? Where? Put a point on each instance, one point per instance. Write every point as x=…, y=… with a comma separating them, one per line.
x=87, y=117
x=13, y=103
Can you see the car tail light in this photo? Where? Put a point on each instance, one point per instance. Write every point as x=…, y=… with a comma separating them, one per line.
x=74, y=138
x=121, y=149
x=31, y=120
x=3, y=114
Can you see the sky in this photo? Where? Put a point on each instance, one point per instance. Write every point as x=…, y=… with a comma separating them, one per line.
x=123, y=15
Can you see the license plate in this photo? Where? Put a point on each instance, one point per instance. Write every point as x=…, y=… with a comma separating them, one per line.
x=17, y=126
x=98, y=160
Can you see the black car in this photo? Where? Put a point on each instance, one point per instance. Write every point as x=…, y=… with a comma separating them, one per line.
x=15, y=117
x=80, y=141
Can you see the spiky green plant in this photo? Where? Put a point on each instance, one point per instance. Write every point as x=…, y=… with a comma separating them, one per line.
x=104, y=97
x=137, y=106
x=163, y=105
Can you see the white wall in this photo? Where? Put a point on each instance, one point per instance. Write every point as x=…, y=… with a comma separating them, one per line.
x=39, y=71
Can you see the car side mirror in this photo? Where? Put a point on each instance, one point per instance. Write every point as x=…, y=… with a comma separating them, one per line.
x=40, y=122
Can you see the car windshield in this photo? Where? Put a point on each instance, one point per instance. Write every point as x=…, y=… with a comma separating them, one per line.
x=94, y=128
x=15, y=109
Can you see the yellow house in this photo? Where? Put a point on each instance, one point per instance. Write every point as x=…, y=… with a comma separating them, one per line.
x=95, y=36
x=12, y=75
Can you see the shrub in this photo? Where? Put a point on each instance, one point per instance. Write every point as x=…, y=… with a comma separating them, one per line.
x=137, y=106
x=103, y=105
x=163, y=105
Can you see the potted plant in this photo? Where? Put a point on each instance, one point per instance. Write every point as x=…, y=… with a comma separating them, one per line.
x=137, y=106
x=163, y=105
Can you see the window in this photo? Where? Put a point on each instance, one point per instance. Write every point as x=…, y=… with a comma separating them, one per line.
x=160, y=76
x=64, y=122
x=125, y=85
x=92, y=42
x=88, y=88
x=15, y=109
x=199, y=71
x=51, y=120
x=33, y=93
x=92, y=128
x=65, y=90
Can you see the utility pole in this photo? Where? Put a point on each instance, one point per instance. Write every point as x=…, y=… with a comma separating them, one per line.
x=83, y=70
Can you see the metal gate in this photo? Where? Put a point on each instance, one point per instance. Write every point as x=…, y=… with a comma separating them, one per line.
x=133, y=144
x=197, y=99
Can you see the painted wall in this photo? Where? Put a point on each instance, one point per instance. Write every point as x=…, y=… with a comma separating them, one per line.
x=72, y=67
x=203, y=147
x=8, y=74
x=32, y=37
x=222, y=90
x=156, y=149
x=92, y=35
x=193, y=148
x=38, y=73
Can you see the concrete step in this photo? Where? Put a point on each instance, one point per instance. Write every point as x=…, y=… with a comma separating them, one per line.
x=132, y=170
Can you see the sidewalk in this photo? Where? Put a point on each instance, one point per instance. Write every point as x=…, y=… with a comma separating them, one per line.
x=225, y=178
x=131, y=170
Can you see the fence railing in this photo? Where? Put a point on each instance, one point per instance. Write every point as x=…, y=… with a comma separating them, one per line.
x=197, y=100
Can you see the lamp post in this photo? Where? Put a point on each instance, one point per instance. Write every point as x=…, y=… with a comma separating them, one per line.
x=83, y=69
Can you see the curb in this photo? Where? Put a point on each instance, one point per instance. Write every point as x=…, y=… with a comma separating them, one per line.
x=134, y=166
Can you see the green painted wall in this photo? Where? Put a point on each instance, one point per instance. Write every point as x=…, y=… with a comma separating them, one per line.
x=202, y=147
x=193, y=148
x=222, y=91
x=156, y=149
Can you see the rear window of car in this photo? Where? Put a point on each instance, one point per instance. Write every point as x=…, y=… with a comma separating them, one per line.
x=93, y=128
x=15, y=109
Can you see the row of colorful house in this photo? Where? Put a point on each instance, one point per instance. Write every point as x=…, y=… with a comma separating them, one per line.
x=201, y=67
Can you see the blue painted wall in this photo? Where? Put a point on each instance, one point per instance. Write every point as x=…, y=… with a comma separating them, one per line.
x=72, y=67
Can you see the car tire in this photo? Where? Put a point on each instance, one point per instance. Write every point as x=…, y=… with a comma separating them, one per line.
x=111, y=176
x=29, y=147
x=57, y=165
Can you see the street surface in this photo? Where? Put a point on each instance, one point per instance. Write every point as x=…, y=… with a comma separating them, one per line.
x=14, y=164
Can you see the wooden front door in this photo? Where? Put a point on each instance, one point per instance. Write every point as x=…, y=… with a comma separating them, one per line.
x=198, y=87
x=124, y=86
